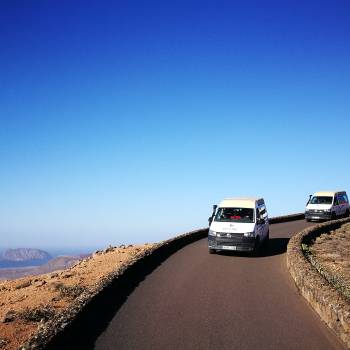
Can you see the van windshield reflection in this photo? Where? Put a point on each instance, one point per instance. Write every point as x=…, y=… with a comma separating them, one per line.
x=321, y=200
x=235, y=215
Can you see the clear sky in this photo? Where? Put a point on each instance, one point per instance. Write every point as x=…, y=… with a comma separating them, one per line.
x=124, y=121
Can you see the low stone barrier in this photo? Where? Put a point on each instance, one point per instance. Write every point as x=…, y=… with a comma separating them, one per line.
x=91, y=312
x=326, y=300
x=286, y=218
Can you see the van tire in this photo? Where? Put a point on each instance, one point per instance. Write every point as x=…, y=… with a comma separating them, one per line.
x=267, y=239
x=212, y=251
x=307, y=220
x=256, y=250
x=347, y=213
x=334, y=216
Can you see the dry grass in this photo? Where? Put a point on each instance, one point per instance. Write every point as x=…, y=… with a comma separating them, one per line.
x=332, y=252
x=70, y=292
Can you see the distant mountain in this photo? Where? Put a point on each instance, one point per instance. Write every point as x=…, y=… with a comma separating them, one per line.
x=21, y=257
x=23, y=254
x=59, y=263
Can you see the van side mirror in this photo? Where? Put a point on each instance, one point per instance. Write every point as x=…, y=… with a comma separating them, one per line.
x=210, y=219
x=261, y=221
x=309, y=200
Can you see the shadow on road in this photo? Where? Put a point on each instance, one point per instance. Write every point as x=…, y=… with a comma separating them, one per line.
x=276, y=246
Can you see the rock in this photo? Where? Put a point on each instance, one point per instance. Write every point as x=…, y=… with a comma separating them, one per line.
x=23, y=284
x=54, y=299
x=39, y=283
x=9, y=316
x=3, y=342
x=109, y=249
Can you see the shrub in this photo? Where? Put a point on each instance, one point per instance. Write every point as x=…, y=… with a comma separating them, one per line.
x=40, y=313
x=71, y=292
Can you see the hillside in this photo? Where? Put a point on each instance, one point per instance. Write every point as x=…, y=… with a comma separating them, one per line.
x=26, y=303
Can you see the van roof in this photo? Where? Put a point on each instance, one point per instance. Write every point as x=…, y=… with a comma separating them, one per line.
x=248, y=202
x=327, y=193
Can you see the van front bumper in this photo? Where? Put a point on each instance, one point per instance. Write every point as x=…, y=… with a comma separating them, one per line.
x=243, y=244
x=313, y=215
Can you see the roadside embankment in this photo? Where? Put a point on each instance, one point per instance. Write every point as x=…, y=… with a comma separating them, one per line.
x=28, y=303
x=321, y=286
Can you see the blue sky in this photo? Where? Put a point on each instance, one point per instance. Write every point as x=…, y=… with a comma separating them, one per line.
x=124, y=121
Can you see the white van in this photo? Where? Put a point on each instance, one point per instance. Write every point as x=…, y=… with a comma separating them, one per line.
x=239, y=224
x=327, y=205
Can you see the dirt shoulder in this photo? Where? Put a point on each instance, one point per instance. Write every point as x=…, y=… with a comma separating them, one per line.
x=27, y=303
x=331, y=253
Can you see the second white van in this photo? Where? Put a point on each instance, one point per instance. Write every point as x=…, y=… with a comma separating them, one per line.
x=327, y=205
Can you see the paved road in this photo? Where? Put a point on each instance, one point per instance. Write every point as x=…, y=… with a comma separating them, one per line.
x=194, y=300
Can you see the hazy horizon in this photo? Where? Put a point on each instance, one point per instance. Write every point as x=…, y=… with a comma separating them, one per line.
x=123, y=122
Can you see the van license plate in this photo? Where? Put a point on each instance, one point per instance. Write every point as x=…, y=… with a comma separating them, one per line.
x=229, y=247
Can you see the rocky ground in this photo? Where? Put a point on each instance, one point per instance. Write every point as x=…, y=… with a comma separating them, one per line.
x=332, y=252
x=28, y=302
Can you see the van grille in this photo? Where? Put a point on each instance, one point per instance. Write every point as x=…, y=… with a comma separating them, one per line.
x=229, y=235
x=229, y=238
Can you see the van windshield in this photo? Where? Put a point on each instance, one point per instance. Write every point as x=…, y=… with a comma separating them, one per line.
x=321, y=200
x=235, y=215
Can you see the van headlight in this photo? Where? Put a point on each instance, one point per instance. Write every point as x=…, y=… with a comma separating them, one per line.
x=212, y=233
x=327, y=210
x=249, y=234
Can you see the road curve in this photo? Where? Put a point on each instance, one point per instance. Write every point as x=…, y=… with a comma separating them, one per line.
x=194, y=300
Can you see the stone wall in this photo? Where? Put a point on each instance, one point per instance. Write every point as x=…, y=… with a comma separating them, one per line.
x=326, y=300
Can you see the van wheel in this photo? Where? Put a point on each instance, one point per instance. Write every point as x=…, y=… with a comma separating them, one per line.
x=347, y=213
x=334, y=216
x=307, y=220
x=257, y=246
x=212, y=251
x=267, y=239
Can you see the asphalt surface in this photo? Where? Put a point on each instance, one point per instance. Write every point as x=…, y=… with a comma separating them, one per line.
x=194, y=300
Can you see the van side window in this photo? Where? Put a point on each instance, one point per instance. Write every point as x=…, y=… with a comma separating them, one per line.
x=343, y=199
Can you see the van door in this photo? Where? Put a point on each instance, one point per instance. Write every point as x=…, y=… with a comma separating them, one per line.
x=346, y=203
x=343, y=204
x=336, y=206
